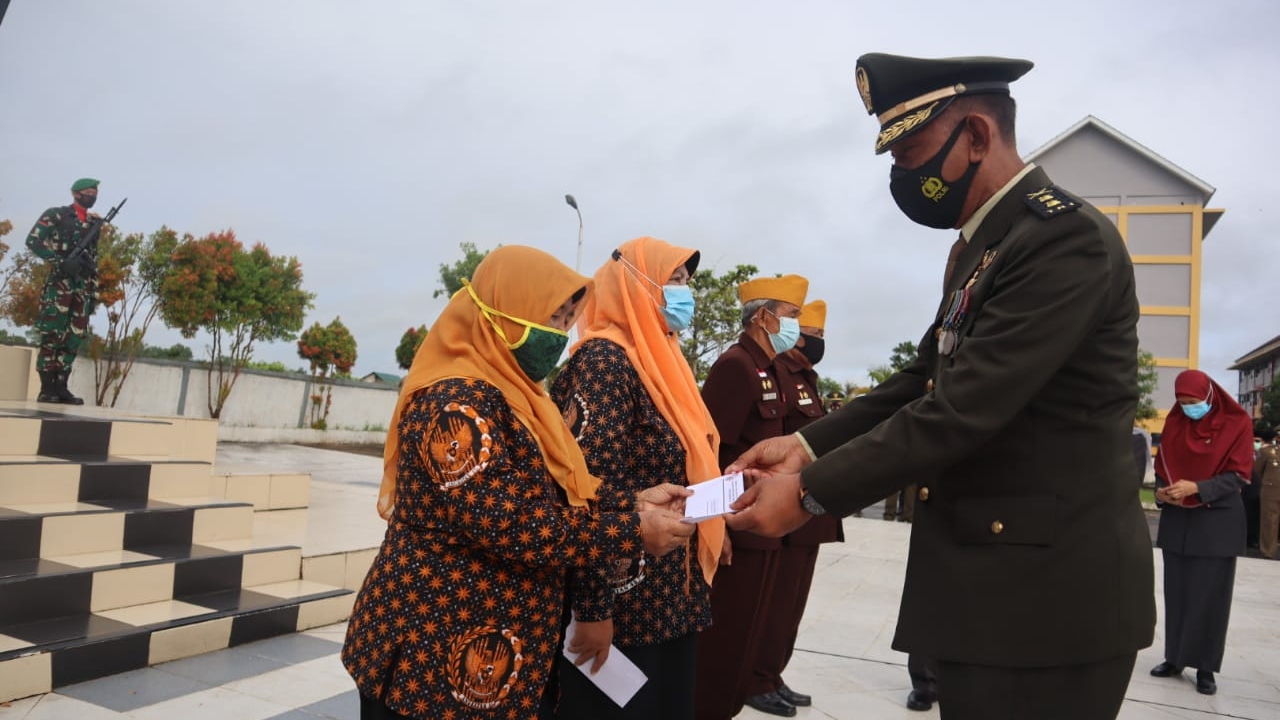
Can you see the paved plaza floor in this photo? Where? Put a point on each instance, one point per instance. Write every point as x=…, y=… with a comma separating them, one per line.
x=842, y=658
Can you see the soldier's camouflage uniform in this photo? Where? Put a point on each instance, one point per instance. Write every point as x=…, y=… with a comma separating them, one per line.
x=66, y=304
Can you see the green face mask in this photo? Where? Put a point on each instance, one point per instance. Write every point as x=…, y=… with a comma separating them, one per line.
x=538, y=349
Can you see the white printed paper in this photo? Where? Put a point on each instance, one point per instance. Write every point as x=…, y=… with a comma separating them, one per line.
x=618, y=678
x=713, y=497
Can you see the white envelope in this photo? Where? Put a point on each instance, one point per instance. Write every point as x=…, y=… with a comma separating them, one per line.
x=619, y=678
x=713, y=497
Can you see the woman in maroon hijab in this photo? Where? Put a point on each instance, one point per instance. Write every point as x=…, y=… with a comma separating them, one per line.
x=1206, y=456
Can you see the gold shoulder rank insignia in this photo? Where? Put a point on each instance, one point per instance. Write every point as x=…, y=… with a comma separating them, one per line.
x=1051, y=201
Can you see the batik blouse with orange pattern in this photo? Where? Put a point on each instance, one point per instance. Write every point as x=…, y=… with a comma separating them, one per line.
x=630, y=446
x=459, y=616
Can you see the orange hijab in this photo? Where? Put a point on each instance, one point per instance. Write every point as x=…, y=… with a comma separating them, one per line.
x=522, y=282
x=624, y=310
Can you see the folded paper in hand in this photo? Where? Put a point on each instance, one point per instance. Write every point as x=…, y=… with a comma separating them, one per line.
x=618, y=678
x=712, y=498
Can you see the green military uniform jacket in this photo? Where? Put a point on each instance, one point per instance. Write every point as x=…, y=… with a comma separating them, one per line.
x=1029, y=546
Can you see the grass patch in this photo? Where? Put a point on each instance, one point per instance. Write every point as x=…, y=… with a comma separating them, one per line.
x=1148, y=495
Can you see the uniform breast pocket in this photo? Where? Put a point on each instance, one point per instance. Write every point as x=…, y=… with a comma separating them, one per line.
x=770, y=409
x=1006, y=520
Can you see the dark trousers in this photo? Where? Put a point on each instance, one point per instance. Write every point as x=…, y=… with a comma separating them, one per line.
x=1197, y=607
x=667, y=695
x=786, y=604
x=923, y=675
x=727, y=650
x=1093, y=691
x=371, y=709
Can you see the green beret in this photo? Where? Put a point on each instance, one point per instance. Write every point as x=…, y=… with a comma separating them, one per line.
x=83, y=184
x=907, y=93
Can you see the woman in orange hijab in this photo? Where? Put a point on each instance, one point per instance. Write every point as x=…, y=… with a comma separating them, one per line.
x=631, y=401
x=1206, y=457
x=487, y=499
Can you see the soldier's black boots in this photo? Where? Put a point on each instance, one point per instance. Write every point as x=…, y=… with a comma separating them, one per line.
x=53, y=389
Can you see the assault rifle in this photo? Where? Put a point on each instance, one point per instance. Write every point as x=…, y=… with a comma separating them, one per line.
x=77, y=264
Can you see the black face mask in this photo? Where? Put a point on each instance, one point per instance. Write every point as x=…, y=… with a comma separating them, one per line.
x=813, y=349
x=85, y=201
x=922, y=194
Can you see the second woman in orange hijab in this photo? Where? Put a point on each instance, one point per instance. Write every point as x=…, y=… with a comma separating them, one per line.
x=631, y=400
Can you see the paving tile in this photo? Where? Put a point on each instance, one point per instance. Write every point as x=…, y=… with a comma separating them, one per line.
x=57, y=707
x=223, y=666
x=134, y=689
x=292, y=648
x=340, y=707
x=213, y=704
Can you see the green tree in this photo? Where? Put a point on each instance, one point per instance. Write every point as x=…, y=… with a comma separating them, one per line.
x=1148, y=378
x=331, y=351
x=131, y=270
x=238, y=297
x=451, y=276
x=827, y=387
x=902, y=355
x=879, y=374
x=8, y=338
x=176, y=351
x=410, y=341
x=6, y=227
x=1271, y=405
x=718, y=320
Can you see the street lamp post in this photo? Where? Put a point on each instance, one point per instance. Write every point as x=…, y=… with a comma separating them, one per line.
x=574, y=204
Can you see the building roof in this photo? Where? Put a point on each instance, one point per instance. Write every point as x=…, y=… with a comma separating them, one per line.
x=1203, y=187
x=1263, y=351
x=381, y=377
x=1211, y=215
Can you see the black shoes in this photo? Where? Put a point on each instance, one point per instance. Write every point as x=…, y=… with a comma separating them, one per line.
x=1204, y=679
x=921, y=700
x=771, y=703
x=53, y=389
x=793, y=697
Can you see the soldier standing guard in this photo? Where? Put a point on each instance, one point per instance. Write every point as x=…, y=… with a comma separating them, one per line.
x=68, y=298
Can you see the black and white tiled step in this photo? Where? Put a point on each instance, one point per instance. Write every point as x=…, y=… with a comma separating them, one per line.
x=85, y=433
x=135, y=637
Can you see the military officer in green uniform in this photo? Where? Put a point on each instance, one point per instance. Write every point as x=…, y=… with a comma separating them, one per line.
x=1028, y=582
x=67, y=301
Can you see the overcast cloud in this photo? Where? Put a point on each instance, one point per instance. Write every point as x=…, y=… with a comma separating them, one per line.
x=369, y=139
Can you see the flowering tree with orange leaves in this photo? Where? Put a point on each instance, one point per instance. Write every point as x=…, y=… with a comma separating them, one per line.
x=131, y=269
x=239, y=297
x=331, y=350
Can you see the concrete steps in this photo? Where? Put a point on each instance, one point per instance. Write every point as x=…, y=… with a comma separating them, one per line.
x=120, y=548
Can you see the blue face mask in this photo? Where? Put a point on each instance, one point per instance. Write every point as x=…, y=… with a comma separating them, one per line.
x=787, y=335
x=678, y=306
x=1195, y=411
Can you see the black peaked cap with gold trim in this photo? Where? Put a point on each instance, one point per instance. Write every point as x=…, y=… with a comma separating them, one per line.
x=906, y=93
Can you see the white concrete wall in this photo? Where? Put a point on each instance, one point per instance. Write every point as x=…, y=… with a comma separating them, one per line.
x=261, y=401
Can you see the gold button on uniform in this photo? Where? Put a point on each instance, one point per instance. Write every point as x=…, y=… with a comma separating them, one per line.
x=928, y=386
x=923, y=494
x=997, y=527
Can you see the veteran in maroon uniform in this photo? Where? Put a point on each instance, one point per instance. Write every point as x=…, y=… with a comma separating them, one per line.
x=799, y=552
x=747, y=398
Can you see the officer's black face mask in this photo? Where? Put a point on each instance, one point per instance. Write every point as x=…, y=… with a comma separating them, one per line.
x=926, y=198
x=85, y=201
x=813, y=349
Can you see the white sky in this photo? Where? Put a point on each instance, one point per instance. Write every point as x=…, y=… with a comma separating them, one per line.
x=369, y=139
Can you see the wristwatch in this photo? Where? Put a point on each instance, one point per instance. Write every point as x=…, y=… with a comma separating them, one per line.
x=810, y=503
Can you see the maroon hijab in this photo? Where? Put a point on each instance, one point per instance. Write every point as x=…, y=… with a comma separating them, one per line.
x=1221, y=441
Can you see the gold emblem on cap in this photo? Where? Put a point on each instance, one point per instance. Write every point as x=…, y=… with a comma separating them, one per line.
x=898, y=129
x=864, y=88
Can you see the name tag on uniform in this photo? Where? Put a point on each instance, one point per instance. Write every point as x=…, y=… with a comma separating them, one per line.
x=805, y=401
x=769, y=396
